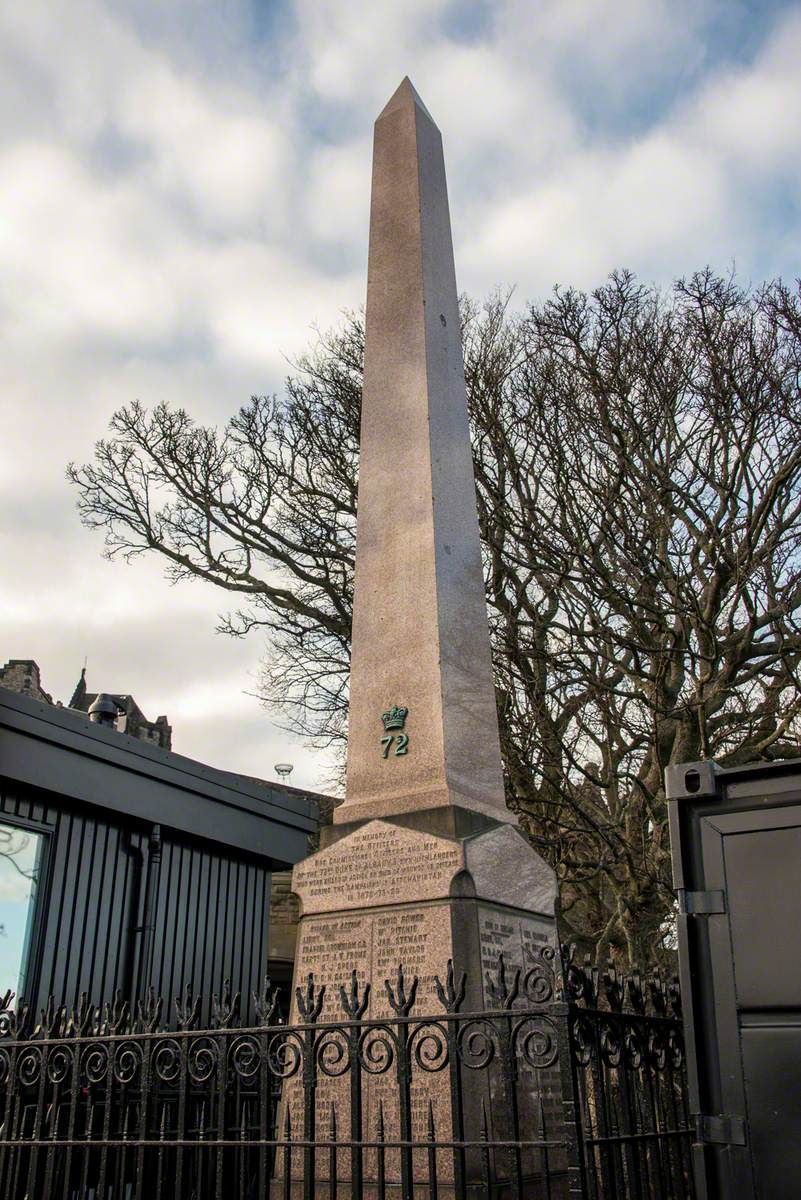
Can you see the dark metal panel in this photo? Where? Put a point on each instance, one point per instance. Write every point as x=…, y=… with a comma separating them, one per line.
x=205, y=910
x=218, y=955
x=772, y=1066
x=763, y=869
x=208, y=908
x=739, y=837
x=85, y=912
x=227, y=923
x=259, y=948
x=58, y=751
x=167, y=927
x=97, y=944
x=197, y=925
x=263, y=928
x=196, y=929
x=724, y=1090
x=250, y=963
x=249, y=968
x=181, y=967
x=193, y=933
x=53, y=903
x=68, y=882
x=237, y=939
x=187, y=930
x=160, y=942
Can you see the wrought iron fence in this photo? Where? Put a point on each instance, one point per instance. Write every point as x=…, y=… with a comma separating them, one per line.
x=627, y=1047
x=543, y=1095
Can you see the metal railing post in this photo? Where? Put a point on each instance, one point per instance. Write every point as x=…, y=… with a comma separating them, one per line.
x=571, y=1130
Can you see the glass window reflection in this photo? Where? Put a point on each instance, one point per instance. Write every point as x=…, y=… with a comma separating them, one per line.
x=20, y=869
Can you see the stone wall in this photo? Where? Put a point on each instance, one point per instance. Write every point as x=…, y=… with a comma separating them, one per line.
x=22, y=675
x=285, y=908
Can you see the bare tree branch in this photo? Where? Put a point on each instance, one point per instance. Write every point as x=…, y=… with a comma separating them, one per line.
x=638, y=479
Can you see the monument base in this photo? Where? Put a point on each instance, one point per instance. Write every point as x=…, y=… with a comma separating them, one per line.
x=556, y=1188
x=387, y=896
x=402, y=891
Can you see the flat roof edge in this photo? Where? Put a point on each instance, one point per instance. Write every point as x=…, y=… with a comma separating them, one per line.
x=72, y=732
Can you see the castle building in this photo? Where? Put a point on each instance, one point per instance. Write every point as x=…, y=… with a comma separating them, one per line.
x=23, y=675
x=130, y=718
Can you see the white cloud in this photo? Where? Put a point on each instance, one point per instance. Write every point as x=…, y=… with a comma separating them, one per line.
x=85, y=256
x=185, y=195
x=338, y=203
x=351, y=52
x=749, y=116
x=685, y=191
x=652, y=202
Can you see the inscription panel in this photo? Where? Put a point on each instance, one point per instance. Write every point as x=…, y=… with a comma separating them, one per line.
x=519, y=938
x=378, y=864
x=420, y=938
x=329, y=948
x=516, y=936
x=377, y=899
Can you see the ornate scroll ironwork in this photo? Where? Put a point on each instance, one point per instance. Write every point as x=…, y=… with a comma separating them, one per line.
x=627, y=1048
x=113, y=1103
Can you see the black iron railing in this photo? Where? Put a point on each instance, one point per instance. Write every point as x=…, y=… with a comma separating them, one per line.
x=627, y=1047
x=543, y=1094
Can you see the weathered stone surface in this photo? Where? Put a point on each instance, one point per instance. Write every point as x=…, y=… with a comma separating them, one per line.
x=504, y=868
x=378, y=864
x=420, y=635
x=424, y=862
x=386, y=895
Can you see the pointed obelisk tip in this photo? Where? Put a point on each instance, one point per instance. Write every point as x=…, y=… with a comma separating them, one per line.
x=405, y=96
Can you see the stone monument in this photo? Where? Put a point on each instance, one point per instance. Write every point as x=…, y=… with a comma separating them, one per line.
x=424, y=861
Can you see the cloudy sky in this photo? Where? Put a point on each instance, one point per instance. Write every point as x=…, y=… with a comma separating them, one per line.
x=185, y=196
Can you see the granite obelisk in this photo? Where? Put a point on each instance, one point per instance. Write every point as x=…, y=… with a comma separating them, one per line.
x=420, y=635
x=424, y=862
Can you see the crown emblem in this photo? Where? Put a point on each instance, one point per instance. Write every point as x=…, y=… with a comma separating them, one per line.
x=395, y=717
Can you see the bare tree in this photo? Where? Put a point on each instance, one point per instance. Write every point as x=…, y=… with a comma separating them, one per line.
x=638, y=466
x=14, y=844
x=265, y=510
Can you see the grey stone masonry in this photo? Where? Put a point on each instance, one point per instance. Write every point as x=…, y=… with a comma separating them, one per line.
x=22, y=675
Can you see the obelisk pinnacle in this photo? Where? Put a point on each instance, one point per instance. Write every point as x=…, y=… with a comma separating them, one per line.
x=420, y=630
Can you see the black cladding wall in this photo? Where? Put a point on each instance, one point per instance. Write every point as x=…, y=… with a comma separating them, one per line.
x=209, y=916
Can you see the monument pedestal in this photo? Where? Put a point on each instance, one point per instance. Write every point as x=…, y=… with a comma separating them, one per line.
x=391, y=893
x=384, y=896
